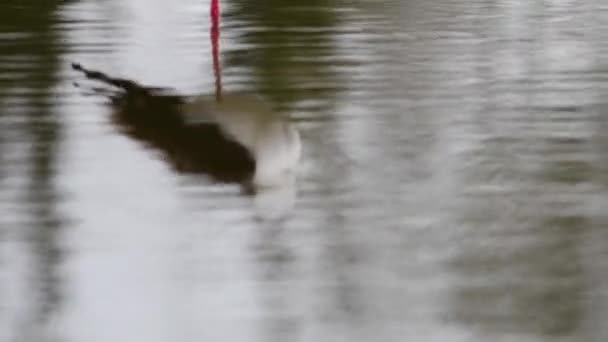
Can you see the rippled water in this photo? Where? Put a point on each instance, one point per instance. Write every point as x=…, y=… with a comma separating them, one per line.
x=452, y=185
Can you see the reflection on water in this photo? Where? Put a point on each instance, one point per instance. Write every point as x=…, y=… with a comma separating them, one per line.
x=30, y=131
x=452, y=183
x=285, y=50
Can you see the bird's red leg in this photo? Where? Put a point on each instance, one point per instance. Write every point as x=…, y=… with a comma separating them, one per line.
x=215, y=45
x=215, y=12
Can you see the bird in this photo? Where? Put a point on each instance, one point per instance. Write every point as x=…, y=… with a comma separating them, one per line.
x=230, y=137
x=238, y=139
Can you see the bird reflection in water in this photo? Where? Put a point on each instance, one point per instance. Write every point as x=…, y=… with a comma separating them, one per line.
x=237, y=139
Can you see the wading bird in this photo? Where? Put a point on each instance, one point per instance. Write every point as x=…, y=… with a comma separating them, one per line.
x=232, y=138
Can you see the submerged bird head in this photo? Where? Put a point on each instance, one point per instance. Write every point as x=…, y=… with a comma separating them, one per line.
x=272, y=140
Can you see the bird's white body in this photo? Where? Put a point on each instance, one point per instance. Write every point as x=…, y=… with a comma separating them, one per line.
x=271, y=139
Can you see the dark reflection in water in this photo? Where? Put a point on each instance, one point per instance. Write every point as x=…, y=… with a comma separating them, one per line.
x=287, y=48
x=31, y=136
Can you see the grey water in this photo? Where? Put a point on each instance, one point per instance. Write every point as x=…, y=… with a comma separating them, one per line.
x=452, y=184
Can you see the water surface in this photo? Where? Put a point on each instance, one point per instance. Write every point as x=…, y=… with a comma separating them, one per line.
x=452, y=185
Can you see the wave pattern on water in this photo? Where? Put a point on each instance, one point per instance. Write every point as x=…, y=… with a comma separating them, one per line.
x=452, y=184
